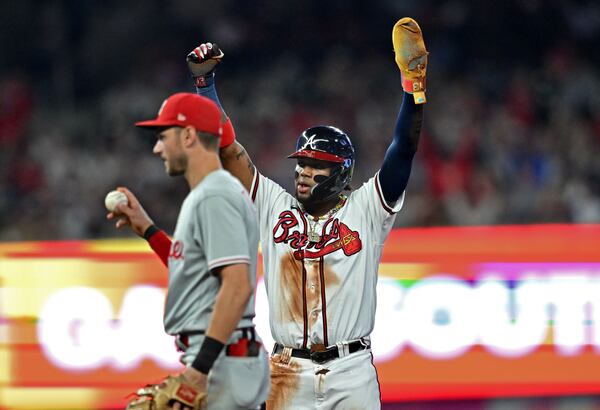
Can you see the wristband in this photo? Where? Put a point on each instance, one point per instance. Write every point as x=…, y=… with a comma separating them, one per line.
x=210, y=350
x=151, y=230
x=204, y=80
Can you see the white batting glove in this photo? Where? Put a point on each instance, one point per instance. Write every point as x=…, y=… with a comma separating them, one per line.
x=202, y=62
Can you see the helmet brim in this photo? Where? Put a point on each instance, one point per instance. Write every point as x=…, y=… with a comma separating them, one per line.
x=320, y=155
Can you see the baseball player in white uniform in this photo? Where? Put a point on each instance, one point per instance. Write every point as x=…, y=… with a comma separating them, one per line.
x=321, y=248
x=212, y=268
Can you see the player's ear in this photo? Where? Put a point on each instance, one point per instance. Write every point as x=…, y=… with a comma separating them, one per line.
x=189, y=136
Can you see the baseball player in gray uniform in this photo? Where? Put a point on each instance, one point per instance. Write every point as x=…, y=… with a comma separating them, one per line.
x=321, y=248
x=212, y=267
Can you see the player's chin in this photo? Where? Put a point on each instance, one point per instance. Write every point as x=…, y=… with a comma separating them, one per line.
x=304, y=199
x=172, y=172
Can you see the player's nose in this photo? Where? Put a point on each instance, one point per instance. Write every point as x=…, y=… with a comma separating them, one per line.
x=157, y=148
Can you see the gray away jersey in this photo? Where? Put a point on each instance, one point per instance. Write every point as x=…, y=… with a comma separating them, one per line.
x=217, y=226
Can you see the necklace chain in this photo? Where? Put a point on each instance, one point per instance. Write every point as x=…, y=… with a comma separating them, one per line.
x=313, y=236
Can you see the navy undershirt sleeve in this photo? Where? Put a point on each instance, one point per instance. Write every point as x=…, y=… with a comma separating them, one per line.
x=395, y=170
x=210, y=91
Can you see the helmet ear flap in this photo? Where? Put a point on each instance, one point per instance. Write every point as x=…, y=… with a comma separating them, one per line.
x=334, y=184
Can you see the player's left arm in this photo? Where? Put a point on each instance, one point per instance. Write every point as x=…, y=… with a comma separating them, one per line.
x=234, y=294
x=221, y=228
x=411, y=57
x=397, y=163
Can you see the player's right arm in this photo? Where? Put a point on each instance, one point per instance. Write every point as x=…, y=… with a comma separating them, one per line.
x=133, y=215
x=236, y=160
x=202, y=62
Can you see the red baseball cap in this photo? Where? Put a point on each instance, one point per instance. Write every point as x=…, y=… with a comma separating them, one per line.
x=183, y=109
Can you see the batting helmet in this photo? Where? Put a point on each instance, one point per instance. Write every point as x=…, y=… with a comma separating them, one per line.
x=327, y=143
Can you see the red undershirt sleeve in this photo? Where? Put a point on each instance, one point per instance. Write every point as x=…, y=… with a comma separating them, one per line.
x=160, y=243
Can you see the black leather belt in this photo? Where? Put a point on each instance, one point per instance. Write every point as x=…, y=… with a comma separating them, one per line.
x=322, y=356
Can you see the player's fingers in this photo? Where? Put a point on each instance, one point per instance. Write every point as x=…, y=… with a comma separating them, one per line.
x=193, y=56
x=203, y=49
x=121, y=223
x=216, y=52
x=122, y=209
x=132, y=199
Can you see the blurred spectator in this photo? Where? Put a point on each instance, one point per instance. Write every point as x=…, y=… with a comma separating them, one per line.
x=512, y=127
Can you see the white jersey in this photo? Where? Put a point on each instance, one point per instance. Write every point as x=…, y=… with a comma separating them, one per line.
x=321, y=292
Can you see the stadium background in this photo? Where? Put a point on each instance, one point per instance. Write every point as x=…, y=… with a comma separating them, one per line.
x=511, y=135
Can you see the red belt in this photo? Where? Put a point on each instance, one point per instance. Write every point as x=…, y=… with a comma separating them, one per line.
x=246, y=346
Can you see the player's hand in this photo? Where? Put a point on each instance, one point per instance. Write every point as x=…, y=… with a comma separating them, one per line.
x=197, y=380
x=411, y=57
x=175, y=392
x=131, y=214
x=203, y=60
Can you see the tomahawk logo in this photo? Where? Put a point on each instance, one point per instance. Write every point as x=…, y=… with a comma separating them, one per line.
x=310, y=143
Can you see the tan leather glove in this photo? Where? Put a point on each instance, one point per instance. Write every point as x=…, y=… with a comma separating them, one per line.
x=162, y=396
x=411, y=57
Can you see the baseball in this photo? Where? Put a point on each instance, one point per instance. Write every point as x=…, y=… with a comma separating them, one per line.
x=113, y=198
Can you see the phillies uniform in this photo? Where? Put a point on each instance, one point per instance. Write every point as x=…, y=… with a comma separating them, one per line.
x=323, y=293
x=216, y=227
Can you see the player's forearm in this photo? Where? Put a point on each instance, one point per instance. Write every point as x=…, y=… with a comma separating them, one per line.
x=210, y=90
x=236, y=160
x=231, y=302
x=160, y=243
x=397, y=163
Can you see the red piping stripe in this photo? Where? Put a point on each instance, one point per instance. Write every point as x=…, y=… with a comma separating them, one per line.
x=323, y=304
x=304, y=302
x=255, y=187
x=304, y=306
x=381, y=199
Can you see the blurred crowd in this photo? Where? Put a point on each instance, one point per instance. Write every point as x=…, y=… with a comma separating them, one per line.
x=511, y=132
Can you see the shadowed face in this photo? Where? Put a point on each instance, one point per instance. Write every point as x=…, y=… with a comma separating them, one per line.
x=170, y=149
x=309, y=172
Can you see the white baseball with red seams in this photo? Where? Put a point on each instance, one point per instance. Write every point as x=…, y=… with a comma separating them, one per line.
x=113, y=198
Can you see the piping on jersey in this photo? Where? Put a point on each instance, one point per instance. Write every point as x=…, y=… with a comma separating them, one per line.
x=304, y=307
x=304, y=302
x=323, y=305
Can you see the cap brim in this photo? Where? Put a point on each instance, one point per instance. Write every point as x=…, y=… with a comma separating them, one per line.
x=153, y=124
x=323, y=156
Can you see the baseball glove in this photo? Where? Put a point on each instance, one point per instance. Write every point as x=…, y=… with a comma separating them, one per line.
x=162, y=396
x=411, y=57
x=202, y=62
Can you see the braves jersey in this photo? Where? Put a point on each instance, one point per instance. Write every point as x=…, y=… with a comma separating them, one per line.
x=216, y=227
x=321, y=292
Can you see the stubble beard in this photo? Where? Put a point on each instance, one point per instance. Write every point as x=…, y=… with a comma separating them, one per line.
x=177, y=166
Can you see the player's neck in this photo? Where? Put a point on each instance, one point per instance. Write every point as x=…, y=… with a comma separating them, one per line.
x=321, y=208
x=199, y=168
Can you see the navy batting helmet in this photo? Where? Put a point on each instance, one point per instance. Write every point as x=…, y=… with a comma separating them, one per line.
x=327, y=143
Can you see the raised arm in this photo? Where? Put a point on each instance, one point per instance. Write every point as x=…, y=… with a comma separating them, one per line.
x=202, y=62
x=411, y=57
